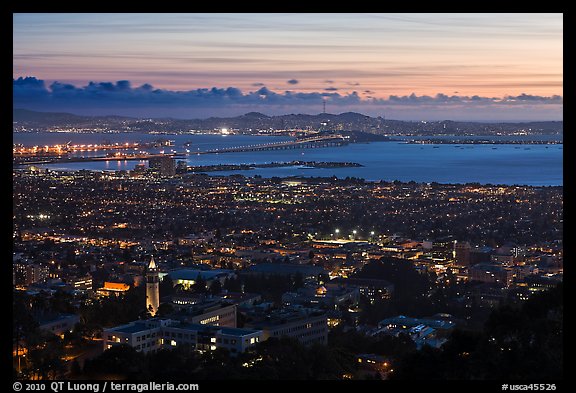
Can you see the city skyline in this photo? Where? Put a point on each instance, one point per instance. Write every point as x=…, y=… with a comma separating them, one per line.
x=287, y=197
x=403, y=66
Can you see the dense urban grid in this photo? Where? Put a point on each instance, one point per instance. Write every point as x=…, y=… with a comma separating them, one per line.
x=158, y=273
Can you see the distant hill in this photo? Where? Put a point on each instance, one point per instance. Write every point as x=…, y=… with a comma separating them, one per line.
x=47, y=119
x=255, y=122
x=25, y=115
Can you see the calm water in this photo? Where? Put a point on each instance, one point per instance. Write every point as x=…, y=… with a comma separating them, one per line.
x=538, y=165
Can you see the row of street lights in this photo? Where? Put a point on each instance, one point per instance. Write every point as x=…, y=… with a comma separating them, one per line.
x=353, y=235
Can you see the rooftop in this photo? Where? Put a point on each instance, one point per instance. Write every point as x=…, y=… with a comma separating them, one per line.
x=285, y=268
x=192, y=274
x=133, y=327
x=414, y=322
x=210, y=328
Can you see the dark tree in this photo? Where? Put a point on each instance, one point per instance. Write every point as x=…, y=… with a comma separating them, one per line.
x=215, y=287
x=199, y=284
x=166, y=286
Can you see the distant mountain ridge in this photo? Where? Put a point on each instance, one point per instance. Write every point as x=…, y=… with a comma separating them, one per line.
x=256, y=122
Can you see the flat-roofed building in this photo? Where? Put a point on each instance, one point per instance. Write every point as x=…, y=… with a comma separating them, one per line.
x=308, y=327
x=80, y=283
x=188, y=277
x=490, y=273
x=423, y=331
x=29, y=273
x=164, y=164
x=154, y=334
x=374, y=289
x=205, y=310
x=59, y=324
x=113, y=289
x=286, y=269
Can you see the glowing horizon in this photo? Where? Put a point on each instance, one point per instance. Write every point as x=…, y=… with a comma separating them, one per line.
x=373, y=56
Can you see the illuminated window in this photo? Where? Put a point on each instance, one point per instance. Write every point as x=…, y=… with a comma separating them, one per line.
x=212, y=339
x=210, y=320
x=173, y=343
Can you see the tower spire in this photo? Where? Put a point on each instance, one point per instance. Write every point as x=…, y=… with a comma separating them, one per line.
x=152, y=288
x=152, y=264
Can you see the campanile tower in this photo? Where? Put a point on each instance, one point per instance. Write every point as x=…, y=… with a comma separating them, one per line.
x=152, y=288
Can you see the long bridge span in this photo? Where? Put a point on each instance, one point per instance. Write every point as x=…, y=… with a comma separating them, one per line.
x=305, y=143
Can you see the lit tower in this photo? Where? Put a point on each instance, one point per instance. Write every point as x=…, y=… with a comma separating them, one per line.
x=152, y=288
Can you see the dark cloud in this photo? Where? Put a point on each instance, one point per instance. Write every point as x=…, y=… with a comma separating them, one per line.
x=29, y=86
x=292, y=81
x=122, y=98
x=257, y=84
x=531, y=98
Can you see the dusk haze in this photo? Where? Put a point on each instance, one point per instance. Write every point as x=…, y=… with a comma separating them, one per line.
x=488, y=67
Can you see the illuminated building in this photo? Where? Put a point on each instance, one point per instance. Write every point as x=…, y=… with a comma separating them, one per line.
x=152, y=288
x=330, y=295
x=429, y=331
x=504, y=260
x=26, y=274
x=307, y=327
x=490, y=274
x=113, y=289
x=205, y=310
x=218, y=315
x=80, y=283
x=189, y=277
x=369, y=363
x=139, y=169
x=153, y=334
x=165, y=165
x=374, y=289
x=59, y=324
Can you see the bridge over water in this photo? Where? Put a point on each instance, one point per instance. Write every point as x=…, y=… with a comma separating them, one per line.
x=305, y=143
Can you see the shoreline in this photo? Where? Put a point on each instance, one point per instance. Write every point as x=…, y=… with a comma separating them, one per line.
x=245, y=167
x=434, y=141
